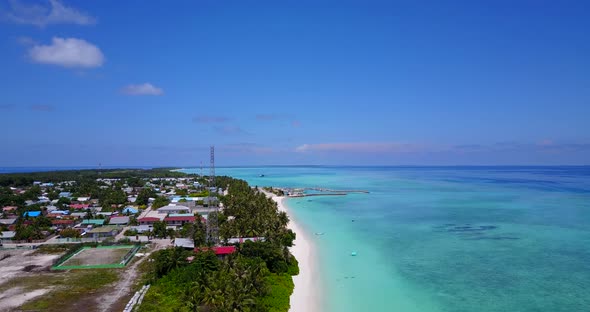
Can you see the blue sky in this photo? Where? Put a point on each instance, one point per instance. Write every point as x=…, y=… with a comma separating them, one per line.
x=294, y=82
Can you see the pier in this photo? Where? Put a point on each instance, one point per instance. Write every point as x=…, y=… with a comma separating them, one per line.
x=300, y=192
x=336, y=191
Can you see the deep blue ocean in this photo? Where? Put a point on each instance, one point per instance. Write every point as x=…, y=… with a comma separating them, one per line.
x=445, y=238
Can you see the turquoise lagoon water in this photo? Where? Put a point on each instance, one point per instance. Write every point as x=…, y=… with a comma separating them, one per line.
x=445, y=239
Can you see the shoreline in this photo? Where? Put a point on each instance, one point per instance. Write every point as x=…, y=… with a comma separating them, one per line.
x=306, y=294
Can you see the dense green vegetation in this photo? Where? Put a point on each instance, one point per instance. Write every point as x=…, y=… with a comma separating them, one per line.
x=275, y=191
x=160, y=202
x=238, y=283
x=69, y=233
x=255, y=278
x=254, y=214
x=144, y=195
x=31, y=231
x=279, y=291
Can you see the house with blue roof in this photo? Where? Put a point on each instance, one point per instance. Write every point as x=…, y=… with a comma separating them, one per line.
x=130, y=210
x=32, y=214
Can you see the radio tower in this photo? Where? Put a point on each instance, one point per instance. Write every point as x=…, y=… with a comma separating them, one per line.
x=212, y=168
x=212, y=226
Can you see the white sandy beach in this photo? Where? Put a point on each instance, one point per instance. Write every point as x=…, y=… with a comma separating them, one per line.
x=305, y=297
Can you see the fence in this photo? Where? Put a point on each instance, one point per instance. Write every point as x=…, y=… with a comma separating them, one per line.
x=130, y=254
x=25, y=241
x=71, y=252
x=76, y=240
x=76, y=249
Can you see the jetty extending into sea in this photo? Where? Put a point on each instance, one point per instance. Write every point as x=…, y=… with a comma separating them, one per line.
x=318, y=191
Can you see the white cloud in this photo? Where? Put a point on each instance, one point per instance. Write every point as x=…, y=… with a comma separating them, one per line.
x=362, y=147
x=43, y=15
x=68, y=52
x=142, y=89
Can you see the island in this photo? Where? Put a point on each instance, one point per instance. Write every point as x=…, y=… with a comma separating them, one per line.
x=142, y=240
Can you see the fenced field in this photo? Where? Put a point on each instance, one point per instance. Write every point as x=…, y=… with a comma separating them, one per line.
x=98, y=257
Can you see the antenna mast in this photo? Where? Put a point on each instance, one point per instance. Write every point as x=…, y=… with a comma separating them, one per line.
x=212, y=168
x=212, y=226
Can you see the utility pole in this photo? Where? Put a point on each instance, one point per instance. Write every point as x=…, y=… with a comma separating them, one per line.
x=212, y=224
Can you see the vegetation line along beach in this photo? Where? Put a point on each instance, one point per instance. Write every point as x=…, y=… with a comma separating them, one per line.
x=306, y=295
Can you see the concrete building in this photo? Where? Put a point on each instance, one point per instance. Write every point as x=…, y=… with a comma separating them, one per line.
x=173, y=209
x=119, y=220
x=104, y=232
x=186, y=243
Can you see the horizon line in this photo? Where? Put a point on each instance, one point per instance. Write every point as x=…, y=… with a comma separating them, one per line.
x=259, y=166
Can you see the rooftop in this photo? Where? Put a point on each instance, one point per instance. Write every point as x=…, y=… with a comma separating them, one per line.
x=181, y=215
x=220, y=250
x=119, y=220
x=130, y=209
x=32, y=213
x=94, y=221
x=7, y=221
x=236, y=240
x=7, y=235
x=173, y=208
x=58, y=222
x=184, y=242
x=148, y=219
x=104, y=229
x=187, y=218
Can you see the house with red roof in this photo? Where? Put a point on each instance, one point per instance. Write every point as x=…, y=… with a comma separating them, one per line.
x=79, y=206
x=62, y=224
x=9, y=208
x=148, y=221
x=179, y=221
x=220, y=251
x=224, y=250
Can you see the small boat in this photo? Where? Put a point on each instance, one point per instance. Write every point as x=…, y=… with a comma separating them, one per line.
x=262, y=175
x=353, y=253
x=319, y=233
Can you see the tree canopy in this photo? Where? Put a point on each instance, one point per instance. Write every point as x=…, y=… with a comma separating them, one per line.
x=256, y=278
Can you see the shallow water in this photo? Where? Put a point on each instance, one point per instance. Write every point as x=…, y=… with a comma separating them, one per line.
x=445, y=238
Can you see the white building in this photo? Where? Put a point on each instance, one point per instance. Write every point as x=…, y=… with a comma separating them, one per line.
x=173, y=209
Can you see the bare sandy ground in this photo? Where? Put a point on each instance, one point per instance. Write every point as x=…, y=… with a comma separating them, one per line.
x=306, y=295
x=20, y=262
x=17, y=296
x=19, y=259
